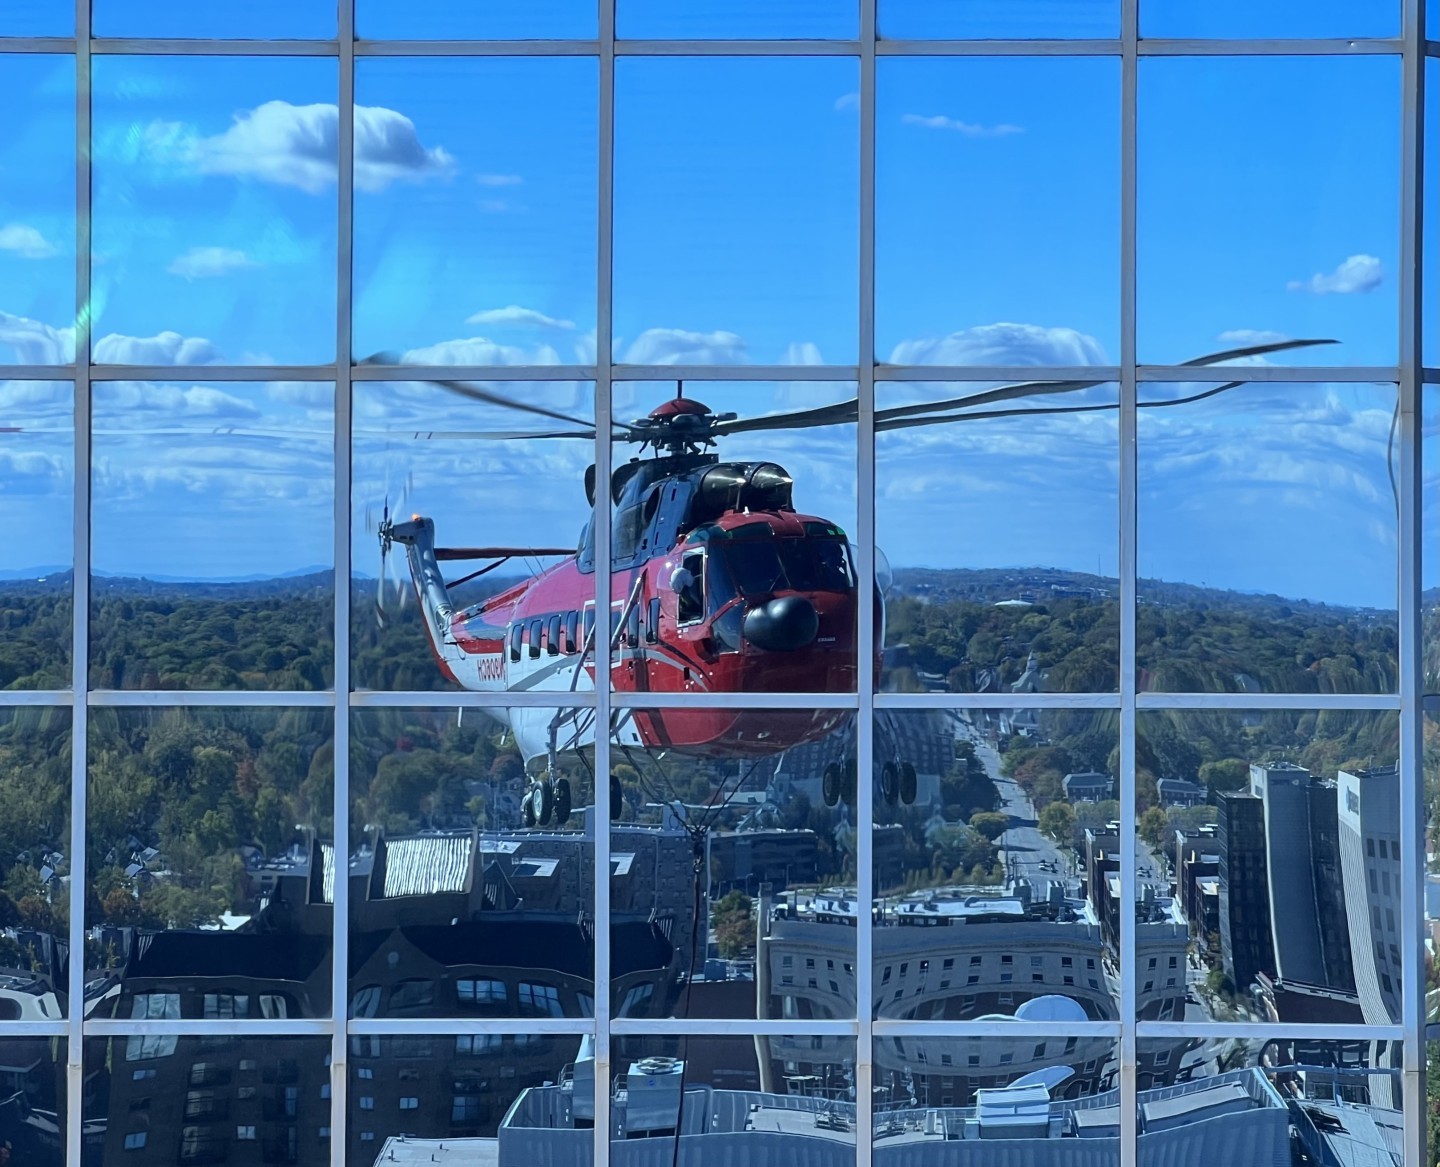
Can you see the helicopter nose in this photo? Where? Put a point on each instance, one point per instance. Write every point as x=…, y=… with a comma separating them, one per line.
x=782, y=625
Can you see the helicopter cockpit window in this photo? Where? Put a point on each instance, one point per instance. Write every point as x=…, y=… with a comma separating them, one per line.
x=762, y=566
x=552, y=636
x=690, y=588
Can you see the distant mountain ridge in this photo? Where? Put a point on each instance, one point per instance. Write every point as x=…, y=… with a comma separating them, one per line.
x=981, y=585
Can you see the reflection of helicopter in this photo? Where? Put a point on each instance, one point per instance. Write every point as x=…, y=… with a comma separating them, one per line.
x=718, y=585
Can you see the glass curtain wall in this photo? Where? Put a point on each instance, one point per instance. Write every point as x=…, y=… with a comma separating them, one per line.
x=1005, y=437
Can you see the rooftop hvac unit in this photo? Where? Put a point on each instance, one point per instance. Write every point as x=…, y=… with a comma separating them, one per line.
x=652, y=1100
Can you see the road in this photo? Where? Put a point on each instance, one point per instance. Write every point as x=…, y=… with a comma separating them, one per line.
x=1025, y=852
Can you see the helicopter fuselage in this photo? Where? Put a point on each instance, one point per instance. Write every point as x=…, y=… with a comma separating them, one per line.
x=718, y=586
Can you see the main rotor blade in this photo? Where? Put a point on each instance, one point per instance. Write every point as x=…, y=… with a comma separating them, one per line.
x=1034, y=388
x=837, y=414
x=909, y=422
x=847, y=411
x=487, y=435
x=476, y=392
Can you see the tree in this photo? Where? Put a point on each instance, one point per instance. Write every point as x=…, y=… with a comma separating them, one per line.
x=1225, y=774
x=1153, y=826
x=1057, y=821
x=733, y=919
x=990, y=823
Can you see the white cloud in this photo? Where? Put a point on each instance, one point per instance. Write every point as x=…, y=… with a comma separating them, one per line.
x=1243, y=337
x=1359, y=273
x=208, y=262
x=476, y=350
x=166, y=348
x=36, y=343
x=513, y=316
x=494, y=206
x=678, y=346
x=26, y=242
x=499, y=179
x=802, y=352
x=1003, y=344
x=967, y=129
x=296, y=145
x=847, y=101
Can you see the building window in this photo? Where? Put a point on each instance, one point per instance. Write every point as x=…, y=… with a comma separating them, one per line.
x=135, y=1141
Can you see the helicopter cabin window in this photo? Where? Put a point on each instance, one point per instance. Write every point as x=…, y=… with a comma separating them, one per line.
x=535, y=626
x=632, y=627
x=589, y=622
x=572, y=622
x=517, y=635
x=689, y=584
x=552, y=636
x=652, y=625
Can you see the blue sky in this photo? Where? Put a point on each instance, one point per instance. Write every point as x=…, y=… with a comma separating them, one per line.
x=718, y=18
x=736, y=222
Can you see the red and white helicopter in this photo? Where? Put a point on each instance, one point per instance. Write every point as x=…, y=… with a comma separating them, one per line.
x=717, y=585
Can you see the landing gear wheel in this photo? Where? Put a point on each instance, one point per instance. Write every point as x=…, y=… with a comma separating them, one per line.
x=830, y=783
x=889, y=782
x=562, y=801
x=527, y=808
x=543, y=797
x=850, y=787
x=617, y=799
x=909, y=783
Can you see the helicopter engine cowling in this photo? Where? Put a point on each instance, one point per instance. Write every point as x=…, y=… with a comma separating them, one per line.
x=782, y=625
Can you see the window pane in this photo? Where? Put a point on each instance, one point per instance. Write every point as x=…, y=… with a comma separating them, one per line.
x=748, y=19
x=1430, y=235
x=484, y=252
x=1309, y=245
x=205, y=1099
x=736, y=211
x=1279, y=834
x=973, y=229
x=513, y=509
x=423, y=1092
x=211, y=536
x=36, y=867
x=37, y=467
x=476, y=866
x=1340, y=1100
x=1030, y=1087
x=993, y=828
x=37, y=211
x=989, y=19
x=214, y=208
x=40, y=1090
x=776, y=945
x=1275, y=18
x=961, y=505
x=1237, y=594
x=208, y=849
x=177, y=18
x=466, y=20
x=762, y=596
